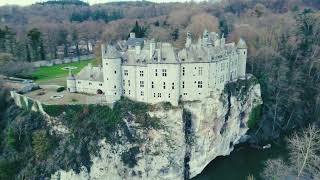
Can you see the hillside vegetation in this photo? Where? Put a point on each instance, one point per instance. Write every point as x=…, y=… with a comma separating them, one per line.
x=283, y=38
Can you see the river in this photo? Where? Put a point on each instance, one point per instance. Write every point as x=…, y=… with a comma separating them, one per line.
x=242, y=161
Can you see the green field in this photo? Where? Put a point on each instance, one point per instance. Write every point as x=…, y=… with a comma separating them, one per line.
x=55, y=74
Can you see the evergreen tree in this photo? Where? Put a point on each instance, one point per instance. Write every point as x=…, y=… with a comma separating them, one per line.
x=139, y=30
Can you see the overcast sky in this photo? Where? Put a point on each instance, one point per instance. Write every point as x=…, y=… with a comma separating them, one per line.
x=28, y=2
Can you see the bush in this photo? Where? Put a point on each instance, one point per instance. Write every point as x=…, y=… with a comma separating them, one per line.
x=41, y=143
x=129, y=157
x=53, y=110
x=60, y=89
x=254, y=116
x=11, y=139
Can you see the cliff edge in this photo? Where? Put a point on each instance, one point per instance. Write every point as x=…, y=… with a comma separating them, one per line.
x=186, y=139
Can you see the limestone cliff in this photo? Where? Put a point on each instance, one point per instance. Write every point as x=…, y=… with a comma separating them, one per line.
x=191, y=135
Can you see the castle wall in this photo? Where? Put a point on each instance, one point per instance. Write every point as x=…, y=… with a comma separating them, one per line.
x=164, y=78
x=163, y=83
x=90, y=87
x=194, y=81
x=129, y=81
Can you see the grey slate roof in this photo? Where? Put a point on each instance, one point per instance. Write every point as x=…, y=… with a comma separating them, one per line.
x=89, y=73
x=112, y=52
x=241, y=44
x=134, y=41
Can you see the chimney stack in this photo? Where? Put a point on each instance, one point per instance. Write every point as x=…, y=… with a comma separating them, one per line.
x=132, y=35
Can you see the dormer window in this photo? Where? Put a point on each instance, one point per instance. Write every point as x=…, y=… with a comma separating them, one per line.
x=163, y=59
x=182, y=59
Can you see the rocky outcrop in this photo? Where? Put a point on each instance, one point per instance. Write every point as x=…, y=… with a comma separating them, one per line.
x=191, y=135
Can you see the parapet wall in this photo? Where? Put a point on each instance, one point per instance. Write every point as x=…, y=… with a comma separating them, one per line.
x=27, y=103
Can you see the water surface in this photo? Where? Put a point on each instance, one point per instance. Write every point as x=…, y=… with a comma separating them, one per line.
x=243, y=161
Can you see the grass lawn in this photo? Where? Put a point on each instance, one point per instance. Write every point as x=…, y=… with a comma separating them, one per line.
x=56, y=75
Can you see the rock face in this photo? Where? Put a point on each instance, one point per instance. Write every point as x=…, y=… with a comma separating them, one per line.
x=192, y=135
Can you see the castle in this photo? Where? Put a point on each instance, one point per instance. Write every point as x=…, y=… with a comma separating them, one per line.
x=152, y=72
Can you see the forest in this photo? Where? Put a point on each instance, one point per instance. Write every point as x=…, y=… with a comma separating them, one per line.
x=283, y=38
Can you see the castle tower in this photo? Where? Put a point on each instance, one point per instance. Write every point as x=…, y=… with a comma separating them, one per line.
x=242, y=54
x=111, y=64
x=71, y=83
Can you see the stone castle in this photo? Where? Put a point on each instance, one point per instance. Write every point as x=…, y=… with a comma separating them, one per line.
x=152, y=72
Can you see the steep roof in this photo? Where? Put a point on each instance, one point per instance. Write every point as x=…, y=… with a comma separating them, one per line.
x=112, y=52
x=242, y=44
x=89, y=73
x=134, y=41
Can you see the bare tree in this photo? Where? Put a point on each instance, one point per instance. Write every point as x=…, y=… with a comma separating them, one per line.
x=275, y=169
x=304, y=158
x=304, y=152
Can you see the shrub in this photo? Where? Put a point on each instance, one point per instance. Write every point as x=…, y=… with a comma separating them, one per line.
x=129, y=157
x=60, y=89
x=53, y=110
x=254, y=116
x=41, y=143
x=11, y=139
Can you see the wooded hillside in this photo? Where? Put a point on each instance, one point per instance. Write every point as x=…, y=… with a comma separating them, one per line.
x=282, y=36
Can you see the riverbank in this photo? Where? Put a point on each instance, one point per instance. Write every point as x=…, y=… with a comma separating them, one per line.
x=244, y=160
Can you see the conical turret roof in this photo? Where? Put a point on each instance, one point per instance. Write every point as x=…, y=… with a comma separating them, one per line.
x=242, y=44
x=112, y=52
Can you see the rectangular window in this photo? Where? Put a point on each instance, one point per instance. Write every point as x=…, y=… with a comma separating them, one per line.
x=154, y=94
x=128, y=82
x=141, y=73
x=199, y=84
x=164, y=85
x=172, y=85
x=142, y=93
x=115, y=72
x=156, y=72
x=124, y=82
x=126, y=73
x=100, y=84
x=124, y=91
x=90, y=83
x=79, y=82
x=183, y=71
x=142, y=84
x=159, y=95
x=182, y=84
x=164, y=72
x=152, y=84
x=169, y=95
x=129, y=92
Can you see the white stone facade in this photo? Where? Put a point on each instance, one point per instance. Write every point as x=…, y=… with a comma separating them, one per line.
x=152, y=72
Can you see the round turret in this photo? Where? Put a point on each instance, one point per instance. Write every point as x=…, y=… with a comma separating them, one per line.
x=111, y=63
x=242, y=54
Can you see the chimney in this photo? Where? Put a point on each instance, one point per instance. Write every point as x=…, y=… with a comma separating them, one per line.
x=103, y=49
x=159, y=53
x=138, y=48
x=152, y=47
x=132, y=35
x=189, y=39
